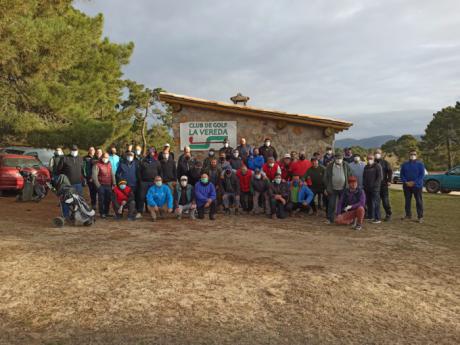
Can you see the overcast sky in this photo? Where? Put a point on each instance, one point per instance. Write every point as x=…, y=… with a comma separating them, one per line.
x=385, y=65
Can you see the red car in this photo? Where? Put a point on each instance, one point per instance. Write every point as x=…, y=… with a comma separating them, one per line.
x=10, y=167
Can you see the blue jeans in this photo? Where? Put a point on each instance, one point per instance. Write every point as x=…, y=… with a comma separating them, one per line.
x=64, y=207
x=104, y=193
x=417, y=193
x=373, y=204
x=333, y=199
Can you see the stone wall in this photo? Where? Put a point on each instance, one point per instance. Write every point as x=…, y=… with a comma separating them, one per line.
x=293, y=137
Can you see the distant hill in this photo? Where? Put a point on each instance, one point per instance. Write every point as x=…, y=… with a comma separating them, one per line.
x=367, y=143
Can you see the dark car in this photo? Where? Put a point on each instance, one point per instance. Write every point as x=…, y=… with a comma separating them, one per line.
x=11, y=166
x=444, y=183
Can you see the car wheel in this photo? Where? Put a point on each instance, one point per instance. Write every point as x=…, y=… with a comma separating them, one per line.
x=445, y=191
x=432, y=186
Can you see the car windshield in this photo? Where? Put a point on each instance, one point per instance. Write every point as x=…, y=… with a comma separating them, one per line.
x=22, y=162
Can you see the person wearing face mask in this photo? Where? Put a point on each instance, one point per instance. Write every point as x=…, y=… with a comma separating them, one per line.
x=260, y=188
x=317, y=156
x=72, y=167
x=387, y=173
x=147, y=170
x=205, y=196
x=54, y=162
x=300, y=196
x=129, y=148
x=314, y=178
x=207, y=160
x=222, y=163
x=88, y=162
x=412, y=173
x=230, y=191
x=271, y=168
x=244, y=150
x=300, y=166
x=138, y=153
x=227, y=149
x=372, y=180
x=328, y=156
x=236, y=162
x=351, y=206
x=214, y=173
x=123, y=198
x=195, y=173
x=104, y=178
x=127, y=171
x=159, y=199
x=168, y=168
x=114, y=158
x=244, y=176
x=255, y=161
x=357, y=169
x=184, y=198
x=285, y=166
x=185, y=163
x=267, y=150
x=279, y=197
x=335, y=181
x=348, y=155
x=166, y=150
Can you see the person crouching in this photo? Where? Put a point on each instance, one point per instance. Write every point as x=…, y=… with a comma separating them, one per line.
x=159, y=199
x=350, y=209
x=122, y=198
x=184, y=198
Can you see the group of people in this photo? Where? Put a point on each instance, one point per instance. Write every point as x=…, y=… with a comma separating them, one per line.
x=242, y=179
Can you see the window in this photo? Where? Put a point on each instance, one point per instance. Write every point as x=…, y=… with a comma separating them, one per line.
x=21, y=163
x=455, y=171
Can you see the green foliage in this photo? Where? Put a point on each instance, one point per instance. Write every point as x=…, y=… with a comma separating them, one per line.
x=401, y=147
x=441, y=142
x=57, y=74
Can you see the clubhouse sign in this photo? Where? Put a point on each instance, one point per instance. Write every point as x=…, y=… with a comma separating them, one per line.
x=206, y=135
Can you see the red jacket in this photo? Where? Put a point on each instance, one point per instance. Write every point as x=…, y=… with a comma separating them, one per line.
x=105, y=173
x=245, y=180
x=271, y=172
x=299, y=168
x=285, y=171
x=122, y=195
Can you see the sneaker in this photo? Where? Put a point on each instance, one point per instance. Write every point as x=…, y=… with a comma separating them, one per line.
x=132, y=219
x=327, y=222
x=138, y=215
x=192, y=214
x=154, y=217
x=387, y=218
x=420, y=220
x=213, y=217
x=118, y=217
x=178, y=216
x=103, y=216
x=376, y=221
x=227, y=211
x=358, y=227
x=406, y=218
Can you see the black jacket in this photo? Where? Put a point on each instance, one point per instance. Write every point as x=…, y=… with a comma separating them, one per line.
x=148, y=169
x=262, y=185
x=72, y=167
x=268, y=151
x=236, y=163
x=185, y=166
x=281, y=189
x=387, y=172
x=168, y=170
x=372, y=177
x=228, y=152
x=231, y=184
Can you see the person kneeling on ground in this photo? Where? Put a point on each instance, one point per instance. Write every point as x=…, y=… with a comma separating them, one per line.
x=260, y=189
x=159, y=198
x=205, y=196
x=279, y=197
x=231, y=191
x=300, y=196
x=184, y=198
x=350, y=209
x=123, y=197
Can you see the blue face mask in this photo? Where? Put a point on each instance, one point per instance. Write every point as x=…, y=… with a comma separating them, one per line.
x=122, y=186
x=295, y=183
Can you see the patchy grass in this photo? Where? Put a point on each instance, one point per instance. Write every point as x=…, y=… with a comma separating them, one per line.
x=239, y=280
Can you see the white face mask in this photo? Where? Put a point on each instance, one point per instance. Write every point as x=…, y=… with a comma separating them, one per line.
x=271, y=165
x=267, y=143
x=413, y=157
x=183, y=183
x=130, y=158
x=74, y=153
x=235, y=155
x=105, y=160
x=257, y=177
x=60, y=153
x=226, y=145
x=357, y=159
x=329, y=152
x=138, y=152
x=378, y=156
x=370, y=161
x=339, y=161
x=277, y=180
x=166, y=156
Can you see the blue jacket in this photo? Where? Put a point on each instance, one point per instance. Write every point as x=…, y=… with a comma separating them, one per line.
x=204, y=192
x=255, y=162
x=159, y=196
x=127, y=171
x=413, y=171
x=305, y=195
x=115, y=161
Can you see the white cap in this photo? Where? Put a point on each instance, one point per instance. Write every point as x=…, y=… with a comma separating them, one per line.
x=287, y=155
x=167, y=145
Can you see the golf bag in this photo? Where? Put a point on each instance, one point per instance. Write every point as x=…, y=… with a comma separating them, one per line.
x=35, y=187
x=80, y=213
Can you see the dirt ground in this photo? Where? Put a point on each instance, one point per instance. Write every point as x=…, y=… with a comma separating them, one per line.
x=238, y=280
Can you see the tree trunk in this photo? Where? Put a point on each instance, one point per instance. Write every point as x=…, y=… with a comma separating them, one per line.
x=449, y=153
x=144, y=127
